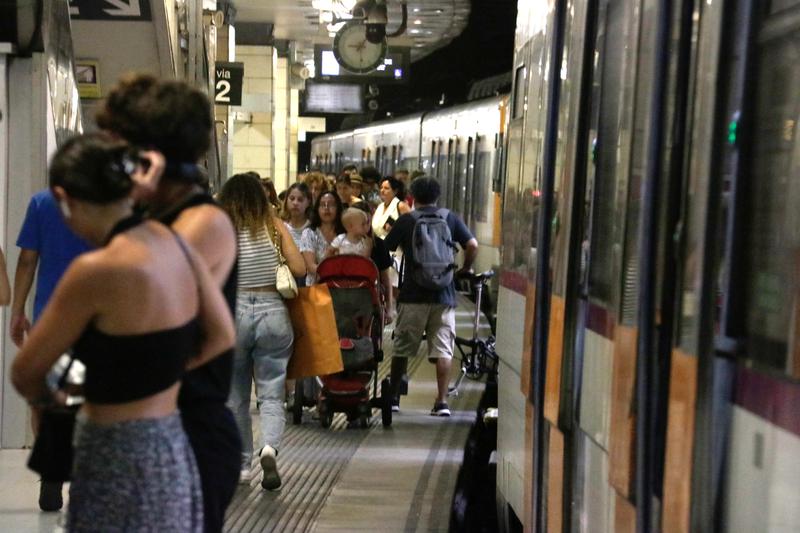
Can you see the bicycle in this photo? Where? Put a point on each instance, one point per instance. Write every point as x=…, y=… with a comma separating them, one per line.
x=478, y=355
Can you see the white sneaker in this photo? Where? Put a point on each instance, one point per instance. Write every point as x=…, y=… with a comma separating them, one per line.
x=269, y=464
x=245, y=476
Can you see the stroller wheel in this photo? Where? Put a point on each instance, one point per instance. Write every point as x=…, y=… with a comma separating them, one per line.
x=297, y=407
x=386, y=403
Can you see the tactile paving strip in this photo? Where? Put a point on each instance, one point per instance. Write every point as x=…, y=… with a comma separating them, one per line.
x=310, y=462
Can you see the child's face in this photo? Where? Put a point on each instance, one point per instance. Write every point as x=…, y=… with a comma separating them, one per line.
x=356, y=226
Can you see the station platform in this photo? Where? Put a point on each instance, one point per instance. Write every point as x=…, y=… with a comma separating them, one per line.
x=334, y=480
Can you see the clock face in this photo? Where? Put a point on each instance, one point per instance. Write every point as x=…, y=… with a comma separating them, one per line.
x=354, y=52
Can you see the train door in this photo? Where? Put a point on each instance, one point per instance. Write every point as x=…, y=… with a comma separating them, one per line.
x=591, y=393
x=459, y=179
x=566, y=237
x=429, y=164
x=470, y=183
x=735, y=390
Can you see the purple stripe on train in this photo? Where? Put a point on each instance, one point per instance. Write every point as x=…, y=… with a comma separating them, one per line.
x=773, y=399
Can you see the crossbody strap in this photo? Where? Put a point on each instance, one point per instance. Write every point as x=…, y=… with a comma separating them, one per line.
x=276, y=242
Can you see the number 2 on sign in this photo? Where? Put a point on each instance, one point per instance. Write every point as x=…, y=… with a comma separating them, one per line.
x=223, y=88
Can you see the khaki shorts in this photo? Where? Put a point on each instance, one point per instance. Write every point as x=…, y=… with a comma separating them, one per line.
x=437, y=321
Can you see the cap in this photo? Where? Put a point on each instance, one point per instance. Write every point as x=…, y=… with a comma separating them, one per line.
x=355, y=178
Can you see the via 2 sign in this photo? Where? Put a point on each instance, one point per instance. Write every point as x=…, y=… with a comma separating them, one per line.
x=228, y=78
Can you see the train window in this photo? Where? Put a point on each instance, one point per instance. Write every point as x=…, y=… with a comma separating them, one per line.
x=773, y=231
x=481, y=177
x=520, y=90
x=393, y=160
x=449, y=171
x=609, y=165
x=469, y=183
x=512, y=201
x=459, y=189
x=643, y=91
x=441, y=167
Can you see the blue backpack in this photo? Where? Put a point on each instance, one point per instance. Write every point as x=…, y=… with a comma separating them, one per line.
x=433, y=256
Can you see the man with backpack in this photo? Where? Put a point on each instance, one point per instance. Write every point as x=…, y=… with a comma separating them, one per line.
x=427, y=301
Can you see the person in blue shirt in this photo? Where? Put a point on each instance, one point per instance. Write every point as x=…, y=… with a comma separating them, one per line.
x=422, y=310
x=45, y=242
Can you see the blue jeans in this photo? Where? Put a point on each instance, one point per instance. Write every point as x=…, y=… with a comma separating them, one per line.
x=264, y=338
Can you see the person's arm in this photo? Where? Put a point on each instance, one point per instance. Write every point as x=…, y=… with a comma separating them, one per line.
x=310, y=259
x=23, y=281
x=470, y=253
x=210, y=232
x=65, y=317
x=464, y=237
x=386, y=284
x=403, y=208
x=5, y=288
x=215, y=317
x=292, y=255
x=395, y=235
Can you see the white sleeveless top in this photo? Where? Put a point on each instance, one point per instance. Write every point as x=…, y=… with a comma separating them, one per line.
x=382, y=214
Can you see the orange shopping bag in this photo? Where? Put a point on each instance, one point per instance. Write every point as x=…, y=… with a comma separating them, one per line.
x=316, y=339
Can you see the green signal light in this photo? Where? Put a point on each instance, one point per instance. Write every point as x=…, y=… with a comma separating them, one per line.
x=733, y=129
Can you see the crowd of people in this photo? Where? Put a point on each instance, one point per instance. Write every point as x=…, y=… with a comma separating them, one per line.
x=168, y=296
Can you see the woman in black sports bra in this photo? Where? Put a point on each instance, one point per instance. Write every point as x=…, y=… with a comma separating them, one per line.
x=139, y=312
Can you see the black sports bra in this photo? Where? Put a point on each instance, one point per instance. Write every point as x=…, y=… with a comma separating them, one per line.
x=125, y=368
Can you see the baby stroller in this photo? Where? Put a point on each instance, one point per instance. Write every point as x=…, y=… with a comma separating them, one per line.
x=357, y=304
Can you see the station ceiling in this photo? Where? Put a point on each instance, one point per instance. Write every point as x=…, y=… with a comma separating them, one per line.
x=432, y=24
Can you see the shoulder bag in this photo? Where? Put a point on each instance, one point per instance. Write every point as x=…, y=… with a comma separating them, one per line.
x=284, y=280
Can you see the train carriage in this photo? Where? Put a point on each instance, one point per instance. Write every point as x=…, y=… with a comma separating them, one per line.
x=645, y=345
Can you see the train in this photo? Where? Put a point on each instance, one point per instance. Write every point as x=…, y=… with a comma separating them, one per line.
x=643, y=214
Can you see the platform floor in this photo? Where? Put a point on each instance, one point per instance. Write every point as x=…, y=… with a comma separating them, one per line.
x=335, y=480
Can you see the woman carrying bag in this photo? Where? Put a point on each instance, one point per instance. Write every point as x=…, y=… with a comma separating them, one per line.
x=264, y=334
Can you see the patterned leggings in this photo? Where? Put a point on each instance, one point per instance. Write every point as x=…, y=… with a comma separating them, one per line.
x=138, y=475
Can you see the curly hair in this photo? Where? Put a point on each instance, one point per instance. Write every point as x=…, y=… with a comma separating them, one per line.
x=168, y=115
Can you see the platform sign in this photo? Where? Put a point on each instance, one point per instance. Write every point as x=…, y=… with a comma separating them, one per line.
x=228, y=81
x=126, y=10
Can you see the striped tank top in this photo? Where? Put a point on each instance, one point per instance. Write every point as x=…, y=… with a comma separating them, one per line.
x=258, y=259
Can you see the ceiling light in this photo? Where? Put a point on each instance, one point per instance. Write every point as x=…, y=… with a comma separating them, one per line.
x=414, y=31
x=418, y=22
